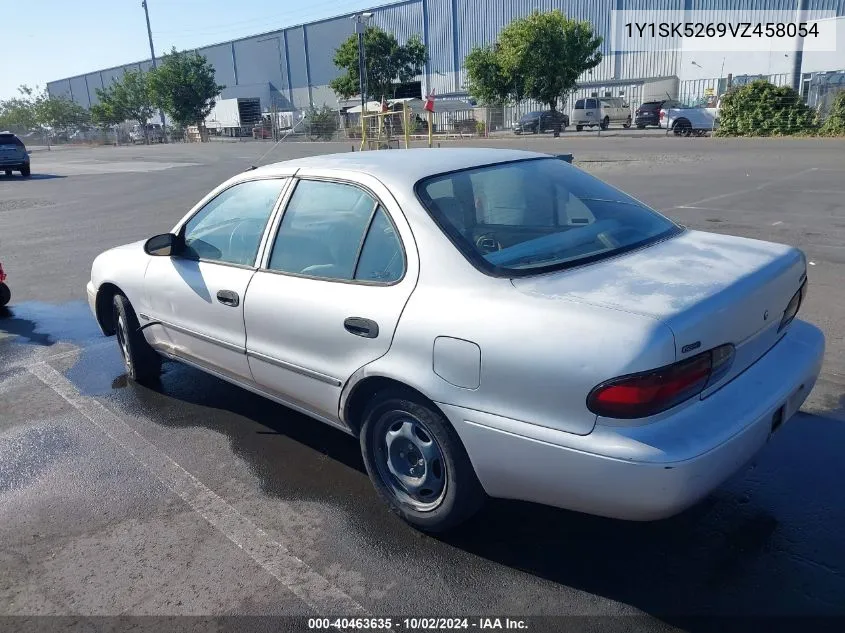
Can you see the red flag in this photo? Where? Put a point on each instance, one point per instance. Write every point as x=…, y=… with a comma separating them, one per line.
x=429, y=101
x=384, y=107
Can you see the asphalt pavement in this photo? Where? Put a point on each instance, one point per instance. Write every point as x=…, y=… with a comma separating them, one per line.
x=198, y=498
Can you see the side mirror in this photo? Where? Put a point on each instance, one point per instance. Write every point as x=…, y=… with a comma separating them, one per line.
x=164, y=245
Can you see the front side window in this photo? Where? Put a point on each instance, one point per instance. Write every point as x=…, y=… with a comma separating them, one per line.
x=336, y=231
x=537, y=215
x=229, y=228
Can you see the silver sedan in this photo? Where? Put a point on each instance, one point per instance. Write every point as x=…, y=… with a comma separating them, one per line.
x=487, y=322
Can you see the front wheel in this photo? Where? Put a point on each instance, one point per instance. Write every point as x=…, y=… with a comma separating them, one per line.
x=682, y=127
x=5, y=294
x=605, y=123
x=417, y=463
x=141, y=361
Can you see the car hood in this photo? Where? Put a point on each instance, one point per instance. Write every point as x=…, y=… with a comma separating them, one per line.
x=709, y=289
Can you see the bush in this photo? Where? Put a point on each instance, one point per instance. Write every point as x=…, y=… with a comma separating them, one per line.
x=763, y=109
x=480, y=128
x=834, y=125
x=321, y=124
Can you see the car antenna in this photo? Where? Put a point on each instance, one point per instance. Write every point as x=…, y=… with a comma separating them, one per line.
x=302, y=117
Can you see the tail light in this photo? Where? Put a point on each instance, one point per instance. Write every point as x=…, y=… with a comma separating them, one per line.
x=2, y=274
x=662, y=114
x=647, y=393
x=793, y=307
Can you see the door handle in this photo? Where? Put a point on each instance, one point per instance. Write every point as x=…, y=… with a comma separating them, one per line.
x=228, y=298
x=361, y=327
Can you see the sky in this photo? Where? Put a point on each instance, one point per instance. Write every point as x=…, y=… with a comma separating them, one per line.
x=45, y=40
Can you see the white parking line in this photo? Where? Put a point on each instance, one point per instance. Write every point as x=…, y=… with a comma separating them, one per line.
x=296, y=575
x=752, y=190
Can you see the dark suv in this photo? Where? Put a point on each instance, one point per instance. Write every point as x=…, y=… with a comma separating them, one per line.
x=537, y=122
x=649, y=112
x=13, y=155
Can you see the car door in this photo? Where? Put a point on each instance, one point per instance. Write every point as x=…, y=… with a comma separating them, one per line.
x=337, y=275
x=195, y=298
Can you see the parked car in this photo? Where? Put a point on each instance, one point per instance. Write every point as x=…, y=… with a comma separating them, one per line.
x=648, y=114
x=683, y=120
x=601, y=112
x=485, y=321
x=13, y=155
x=537, y=122
x=153, y=132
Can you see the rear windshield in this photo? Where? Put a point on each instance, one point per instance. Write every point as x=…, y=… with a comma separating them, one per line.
x=651, y=105
x=10, y=139
x=530, y=216
x=530, y=115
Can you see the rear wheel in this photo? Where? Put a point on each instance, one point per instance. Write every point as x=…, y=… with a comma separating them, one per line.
x=417, y=463
x=141, y=361
x=578, y=128
x=682, y=127
x=24, y=171
x=8, y=172
x=605, y=123
x=627, y=123
x=640, y=127
x=5, y=294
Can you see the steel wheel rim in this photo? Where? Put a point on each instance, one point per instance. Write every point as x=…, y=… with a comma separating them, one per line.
x=410, y=461
x=122, y=340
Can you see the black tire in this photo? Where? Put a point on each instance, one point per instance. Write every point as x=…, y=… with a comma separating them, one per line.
x=627, y=123
x=142, y=363
x=8, y=172
x=25, y=171
x=682, y=127
x=605, y=123
x=5, y=294
x=461, y=495
x=578, y=128
x=640, y=127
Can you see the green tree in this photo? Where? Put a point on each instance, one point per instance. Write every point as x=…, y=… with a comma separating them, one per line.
x=539, y=56
x=834, y=124
x=763, y=109
x=388, y=63
x=18, y=114
x=127, y=98
x=61, y=113
x=184, y=87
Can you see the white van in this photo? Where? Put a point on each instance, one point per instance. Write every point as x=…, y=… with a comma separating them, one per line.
x=600, y=111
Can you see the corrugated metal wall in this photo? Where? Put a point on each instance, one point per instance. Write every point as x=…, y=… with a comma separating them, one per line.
x=295, y=64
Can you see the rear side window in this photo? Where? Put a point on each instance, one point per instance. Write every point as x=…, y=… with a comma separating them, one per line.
x=592, y=104
x=336, y=231
x=579, y=105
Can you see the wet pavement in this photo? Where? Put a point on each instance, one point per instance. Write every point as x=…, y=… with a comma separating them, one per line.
x=196, y=497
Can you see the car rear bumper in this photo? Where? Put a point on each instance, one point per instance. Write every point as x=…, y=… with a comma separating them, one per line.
x=12, y=163
x=650, y=471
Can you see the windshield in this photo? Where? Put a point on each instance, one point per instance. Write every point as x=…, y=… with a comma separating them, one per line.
x=535, y=215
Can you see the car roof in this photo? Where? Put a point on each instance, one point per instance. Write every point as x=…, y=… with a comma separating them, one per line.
x=403, y=167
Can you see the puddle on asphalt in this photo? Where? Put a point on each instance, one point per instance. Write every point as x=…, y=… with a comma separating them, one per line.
x=98, y=369
x=38, y=323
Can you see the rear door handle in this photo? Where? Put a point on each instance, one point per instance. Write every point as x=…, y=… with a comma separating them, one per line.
x=361, y=327
x=228, y=298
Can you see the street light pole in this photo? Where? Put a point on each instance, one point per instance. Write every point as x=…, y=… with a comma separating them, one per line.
x=361, y=20
x=153, y=58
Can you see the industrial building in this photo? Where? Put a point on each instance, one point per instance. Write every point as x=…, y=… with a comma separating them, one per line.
x=290, y=68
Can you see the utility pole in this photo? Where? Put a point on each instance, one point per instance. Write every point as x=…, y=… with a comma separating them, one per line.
x=361, y=21
x=153, y=58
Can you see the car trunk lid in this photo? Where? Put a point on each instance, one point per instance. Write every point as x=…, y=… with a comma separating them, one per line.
x=709, y=289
